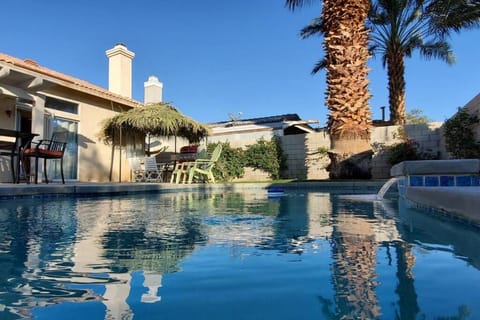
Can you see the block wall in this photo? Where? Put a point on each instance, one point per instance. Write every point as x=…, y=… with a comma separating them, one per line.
x=306, y=159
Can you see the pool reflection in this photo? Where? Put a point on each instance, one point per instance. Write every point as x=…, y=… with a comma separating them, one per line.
x=114, y=253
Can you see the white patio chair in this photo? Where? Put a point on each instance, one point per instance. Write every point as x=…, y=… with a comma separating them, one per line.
x=138, y=174
x=152, y=172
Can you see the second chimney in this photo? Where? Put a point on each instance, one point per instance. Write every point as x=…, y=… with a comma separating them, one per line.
x=120, y=70
x=153, y=90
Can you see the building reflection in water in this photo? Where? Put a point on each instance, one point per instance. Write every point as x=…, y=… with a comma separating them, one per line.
x=54, y=253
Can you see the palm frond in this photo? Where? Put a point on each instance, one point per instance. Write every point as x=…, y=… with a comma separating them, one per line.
x=314, y=28
x=293, y=4
x=453, y=15
x=320, y=65
x=439, y=50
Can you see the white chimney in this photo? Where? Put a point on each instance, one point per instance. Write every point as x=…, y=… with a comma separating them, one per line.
x=120, y=70
x=153, y=90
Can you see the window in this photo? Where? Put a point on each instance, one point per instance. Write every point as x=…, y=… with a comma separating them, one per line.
x=61, y=105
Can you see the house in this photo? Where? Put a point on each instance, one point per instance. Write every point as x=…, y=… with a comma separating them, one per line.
x=36, y=99
x=242, y=132
x=298, y=140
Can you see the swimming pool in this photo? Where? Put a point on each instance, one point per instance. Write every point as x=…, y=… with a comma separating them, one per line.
x=234, y=255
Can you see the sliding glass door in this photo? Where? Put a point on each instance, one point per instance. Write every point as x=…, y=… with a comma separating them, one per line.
x=65, y=130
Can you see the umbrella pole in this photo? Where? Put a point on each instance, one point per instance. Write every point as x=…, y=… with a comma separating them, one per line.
x=120, y=158
x=148, y=149
x=112, y=158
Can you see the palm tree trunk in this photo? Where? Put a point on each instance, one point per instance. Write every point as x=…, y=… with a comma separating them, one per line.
x=347, y=96
x=396, y=88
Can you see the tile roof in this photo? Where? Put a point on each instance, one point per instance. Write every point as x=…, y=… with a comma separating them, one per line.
x=67, y=80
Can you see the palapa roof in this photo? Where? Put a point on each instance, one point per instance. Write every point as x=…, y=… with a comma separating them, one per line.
x=157, y=119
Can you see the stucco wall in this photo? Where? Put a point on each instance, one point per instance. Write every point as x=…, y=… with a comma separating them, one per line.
x=94, y=156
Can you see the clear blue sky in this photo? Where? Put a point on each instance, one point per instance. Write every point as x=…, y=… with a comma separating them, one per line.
x=216, y=57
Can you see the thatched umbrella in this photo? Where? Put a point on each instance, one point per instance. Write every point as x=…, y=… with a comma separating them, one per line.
x=157, y=119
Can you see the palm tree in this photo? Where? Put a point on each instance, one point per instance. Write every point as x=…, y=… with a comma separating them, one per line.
x=346, y=54
x=400, y=27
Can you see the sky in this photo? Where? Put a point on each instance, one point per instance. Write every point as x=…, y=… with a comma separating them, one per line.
x=220, y=57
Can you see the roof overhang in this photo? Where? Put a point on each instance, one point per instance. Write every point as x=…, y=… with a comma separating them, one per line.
x=16, y=93
x=32, y=81
x=303, y=125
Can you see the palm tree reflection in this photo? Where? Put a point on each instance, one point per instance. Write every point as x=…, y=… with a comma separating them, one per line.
x=354, y=253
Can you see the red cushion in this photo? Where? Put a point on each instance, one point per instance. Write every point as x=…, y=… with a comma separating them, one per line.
x=188, y=149
x=43, y=153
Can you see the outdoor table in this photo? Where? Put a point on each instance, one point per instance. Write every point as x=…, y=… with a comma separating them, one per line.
x=13, y=146
x=166, y=169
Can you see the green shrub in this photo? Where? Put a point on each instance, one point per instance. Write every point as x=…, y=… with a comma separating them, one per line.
x=406, y=150
x=266, y=155
x=459, y=136
x=231, y=163
x=402, y=151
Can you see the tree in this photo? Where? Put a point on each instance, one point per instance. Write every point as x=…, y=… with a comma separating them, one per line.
x=416, y=116
x=400, y=27
x=345, y=43
x=459, y=135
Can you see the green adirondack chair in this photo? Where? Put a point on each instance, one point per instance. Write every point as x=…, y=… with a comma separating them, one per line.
x=180, y=171
x=202, y=168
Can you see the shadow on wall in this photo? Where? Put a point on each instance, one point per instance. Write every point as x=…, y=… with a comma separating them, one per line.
x=306, y=155
x=294, y=149
x=94, y=166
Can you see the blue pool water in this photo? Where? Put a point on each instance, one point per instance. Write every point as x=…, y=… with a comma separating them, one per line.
x=234, y=255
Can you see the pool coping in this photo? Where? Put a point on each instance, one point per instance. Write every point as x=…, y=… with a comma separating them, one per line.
x=458, y=202
x=455, y=203
x=9, y=190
